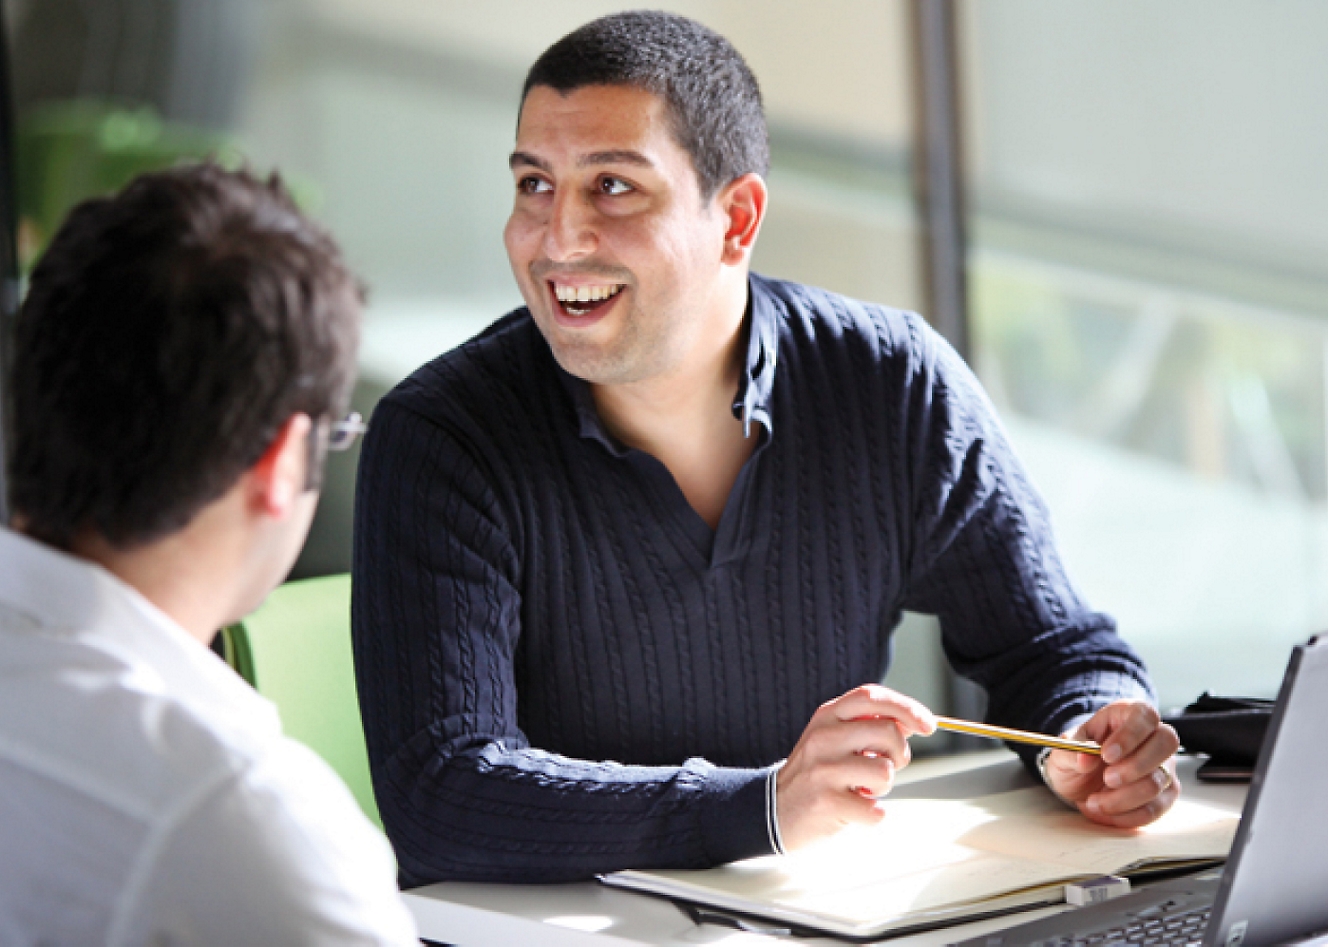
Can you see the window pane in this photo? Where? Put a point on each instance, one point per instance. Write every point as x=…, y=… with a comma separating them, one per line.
x=1149, y=296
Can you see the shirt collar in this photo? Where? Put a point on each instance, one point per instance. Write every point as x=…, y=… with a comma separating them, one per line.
x=589, y=424
x=53, y=593
x=752, y=402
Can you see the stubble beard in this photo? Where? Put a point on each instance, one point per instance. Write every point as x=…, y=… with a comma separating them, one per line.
x=630, y=355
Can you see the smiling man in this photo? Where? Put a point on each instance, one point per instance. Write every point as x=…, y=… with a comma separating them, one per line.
x=628, y=562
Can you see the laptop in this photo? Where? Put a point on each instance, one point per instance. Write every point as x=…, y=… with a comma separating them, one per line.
x=1274, y=888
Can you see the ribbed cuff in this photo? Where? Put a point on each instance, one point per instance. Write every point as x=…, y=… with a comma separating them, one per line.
x=735, y=816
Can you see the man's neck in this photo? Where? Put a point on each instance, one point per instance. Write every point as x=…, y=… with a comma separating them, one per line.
x=185, y=574
x=685, y=419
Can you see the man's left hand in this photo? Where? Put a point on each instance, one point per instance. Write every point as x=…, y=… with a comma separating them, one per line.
x=1134, y=781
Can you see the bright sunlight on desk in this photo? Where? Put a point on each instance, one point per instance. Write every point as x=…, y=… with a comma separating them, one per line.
x=593, y=914
x=933, y=862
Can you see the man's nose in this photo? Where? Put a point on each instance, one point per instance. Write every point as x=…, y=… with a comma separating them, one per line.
x=570, y=232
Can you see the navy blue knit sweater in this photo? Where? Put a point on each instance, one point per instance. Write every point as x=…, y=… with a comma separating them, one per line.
x=532, y=599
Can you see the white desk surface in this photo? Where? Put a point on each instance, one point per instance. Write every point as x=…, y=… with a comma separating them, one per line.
x=588, y=914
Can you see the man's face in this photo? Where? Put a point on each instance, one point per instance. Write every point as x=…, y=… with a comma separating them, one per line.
x=614, y=251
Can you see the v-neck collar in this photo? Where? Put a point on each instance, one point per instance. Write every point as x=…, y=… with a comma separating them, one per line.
x=752, y=403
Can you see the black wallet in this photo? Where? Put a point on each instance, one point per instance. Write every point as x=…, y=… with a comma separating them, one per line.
x=1229, y=729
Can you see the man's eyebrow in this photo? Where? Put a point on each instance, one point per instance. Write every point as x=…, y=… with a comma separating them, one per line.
x=620, y=156
x=522, y=157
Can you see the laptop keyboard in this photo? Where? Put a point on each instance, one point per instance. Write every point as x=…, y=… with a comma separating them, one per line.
x=1187, y=928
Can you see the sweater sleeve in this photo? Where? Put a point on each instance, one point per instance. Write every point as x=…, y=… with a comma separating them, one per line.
x=984, y=561
x=436, y=615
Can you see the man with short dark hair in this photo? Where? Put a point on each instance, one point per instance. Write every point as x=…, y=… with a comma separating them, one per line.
x=670, y=512
x=182, y=362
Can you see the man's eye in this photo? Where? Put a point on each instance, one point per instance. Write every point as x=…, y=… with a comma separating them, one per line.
x=533, y=185
x=613, y=186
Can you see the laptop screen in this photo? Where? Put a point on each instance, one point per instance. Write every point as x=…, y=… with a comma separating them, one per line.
x=1275, y=887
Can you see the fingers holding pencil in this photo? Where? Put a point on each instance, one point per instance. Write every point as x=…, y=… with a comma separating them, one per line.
x=845, y=761
x=1134, y=781
x=854, y=745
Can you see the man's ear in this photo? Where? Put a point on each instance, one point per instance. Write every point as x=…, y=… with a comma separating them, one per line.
x=743, y=203
x=279, y=476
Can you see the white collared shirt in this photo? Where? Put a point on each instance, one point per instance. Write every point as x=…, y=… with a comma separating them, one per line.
x=147, y=794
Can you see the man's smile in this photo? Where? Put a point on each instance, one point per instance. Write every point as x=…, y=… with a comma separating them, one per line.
x=580, y=301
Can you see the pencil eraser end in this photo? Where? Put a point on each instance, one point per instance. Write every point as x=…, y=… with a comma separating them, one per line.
x=1096, y=890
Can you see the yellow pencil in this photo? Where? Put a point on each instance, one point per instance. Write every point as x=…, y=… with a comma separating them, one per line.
x=1016, y=736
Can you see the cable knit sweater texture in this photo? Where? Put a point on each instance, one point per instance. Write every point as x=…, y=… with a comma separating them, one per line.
x=564, y=671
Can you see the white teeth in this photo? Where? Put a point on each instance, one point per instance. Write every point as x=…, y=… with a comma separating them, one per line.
x=584, y=294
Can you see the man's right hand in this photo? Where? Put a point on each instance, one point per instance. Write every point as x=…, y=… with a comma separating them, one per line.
x=845, y=761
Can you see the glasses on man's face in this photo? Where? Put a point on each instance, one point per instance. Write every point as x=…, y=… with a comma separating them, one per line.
x=343, y=434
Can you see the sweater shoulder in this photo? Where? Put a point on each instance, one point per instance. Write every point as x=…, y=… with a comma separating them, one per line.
x=868, y=336
x=486, y=380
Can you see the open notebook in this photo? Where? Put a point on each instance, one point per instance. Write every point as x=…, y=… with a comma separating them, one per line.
x=936, y=862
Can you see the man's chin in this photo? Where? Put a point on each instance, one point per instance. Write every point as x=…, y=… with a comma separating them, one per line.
x=593, y=366
x=577, y=353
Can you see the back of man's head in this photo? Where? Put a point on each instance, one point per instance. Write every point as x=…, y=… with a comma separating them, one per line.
x=713, y=98
x=167, y=335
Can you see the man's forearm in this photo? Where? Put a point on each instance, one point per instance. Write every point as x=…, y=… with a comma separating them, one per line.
x=502, y=815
